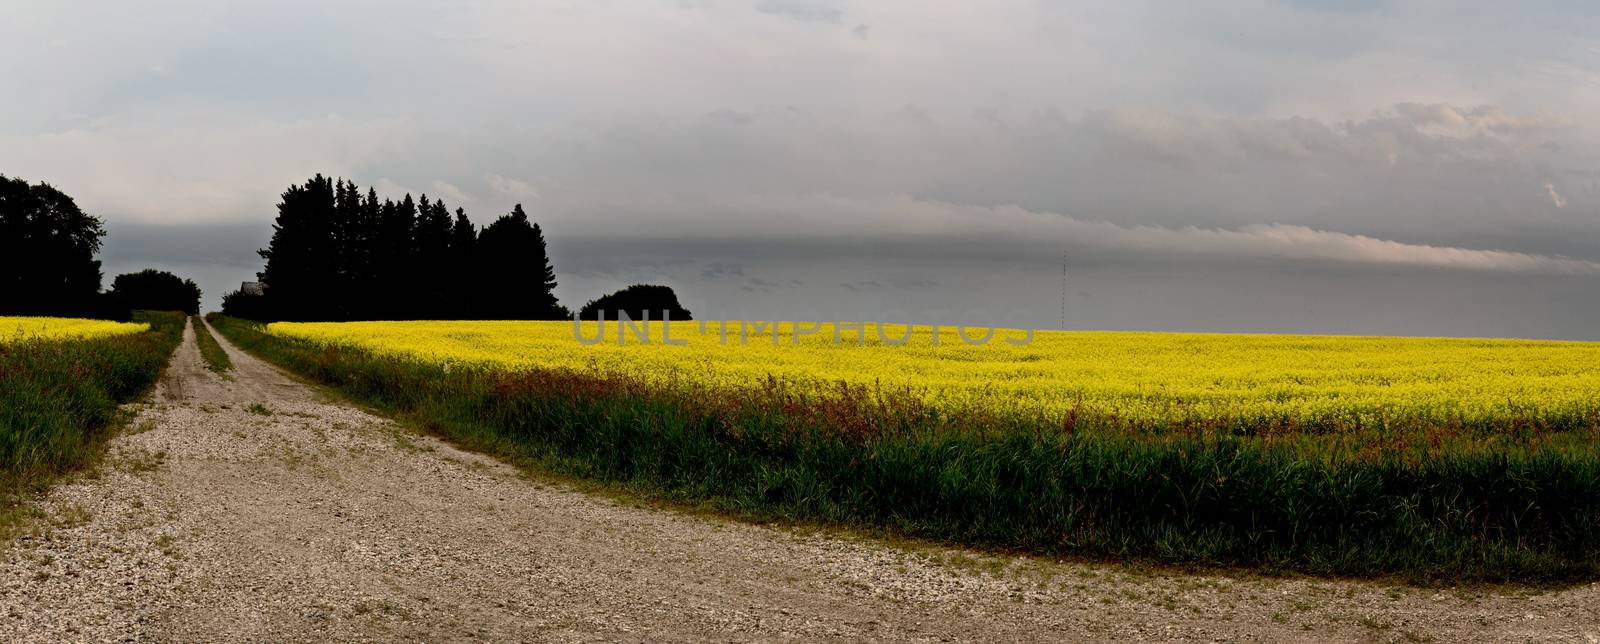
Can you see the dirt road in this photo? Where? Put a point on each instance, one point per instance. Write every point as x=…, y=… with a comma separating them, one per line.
x=254, y=509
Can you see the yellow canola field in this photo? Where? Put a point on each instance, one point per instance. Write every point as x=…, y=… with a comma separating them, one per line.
x=1140, y=377
x=16, y=329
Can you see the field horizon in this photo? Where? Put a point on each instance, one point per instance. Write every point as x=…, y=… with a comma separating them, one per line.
x=774, y=320
x=1429, y=459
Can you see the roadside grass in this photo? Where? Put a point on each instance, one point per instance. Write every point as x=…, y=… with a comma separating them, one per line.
x=216, y=359
x=1429, y=507
x=59, y=402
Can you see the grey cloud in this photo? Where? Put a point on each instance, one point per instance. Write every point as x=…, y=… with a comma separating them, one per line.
x=1381, y=176
x=217, y=256
x=1483, y=117
x=1114, y=291
x=806, y=10
x=226, y=244
x=623, y=269
x=1339, y=5
x=896, y=283
x=715, y=270
x=1387, y=137
x=192, y=161
x=507, y=188
x=756, y=284
x=913, y=114
x=869, y=221
x=1294, y=136
x=730, y=117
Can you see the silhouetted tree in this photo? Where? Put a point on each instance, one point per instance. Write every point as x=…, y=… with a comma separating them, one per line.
x=157, y=291
x=47, y=252
x=636, y=300
x=516, y=271
x=464, y=278
x=431, y=260
x=393, y=281
x=302, y=258
x=366, y=273
x=337, y=254
x=350, y=266
x=249, y=306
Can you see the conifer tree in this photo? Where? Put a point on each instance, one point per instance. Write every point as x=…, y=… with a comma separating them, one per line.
x=464, y=277
x=301, y=255
x=366, y=297
x=431, y=260
x=517, y=270
x=345, y=226
x=337, y=254
x=394, y=275
x=546, y=307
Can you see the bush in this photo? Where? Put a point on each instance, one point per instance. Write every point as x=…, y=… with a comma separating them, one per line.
x=637, y=301
x=155, y=290
x=247, y=306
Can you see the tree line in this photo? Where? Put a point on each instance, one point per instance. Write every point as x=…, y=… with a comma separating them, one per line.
x=48, y=265
x=338, y=253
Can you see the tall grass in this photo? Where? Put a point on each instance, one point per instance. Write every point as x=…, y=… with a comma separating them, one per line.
x=1519, y=504
x=216, y=359
x=58, y=398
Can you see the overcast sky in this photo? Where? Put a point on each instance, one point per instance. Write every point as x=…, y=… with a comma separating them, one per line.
x=1423, y=168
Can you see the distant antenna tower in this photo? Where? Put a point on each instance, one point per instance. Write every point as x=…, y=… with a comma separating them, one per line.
x=1063, y=290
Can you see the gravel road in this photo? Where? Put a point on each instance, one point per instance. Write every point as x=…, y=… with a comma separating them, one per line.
x=256, y=509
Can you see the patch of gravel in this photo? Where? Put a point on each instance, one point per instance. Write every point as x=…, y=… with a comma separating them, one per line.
x=255, y=509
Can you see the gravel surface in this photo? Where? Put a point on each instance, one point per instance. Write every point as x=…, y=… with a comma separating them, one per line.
x=255, y=509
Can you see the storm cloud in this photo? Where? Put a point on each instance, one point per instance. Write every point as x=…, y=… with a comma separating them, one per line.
x=780, y=156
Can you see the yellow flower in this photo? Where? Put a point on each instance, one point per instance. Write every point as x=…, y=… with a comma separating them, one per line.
x=14, y=329
x=1148, y=378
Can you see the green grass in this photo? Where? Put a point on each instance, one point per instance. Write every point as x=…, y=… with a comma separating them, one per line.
x=59, y=400
x=216, y=359
x=1521, y=506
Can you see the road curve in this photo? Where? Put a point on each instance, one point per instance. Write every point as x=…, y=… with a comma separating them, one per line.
x=253, y=508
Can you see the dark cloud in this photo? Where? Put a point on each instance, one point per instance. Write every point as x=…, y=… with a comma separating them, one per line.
x=715, y=270
x=1368, y=167
x=731, y=117
x=806, y=10
x=216, y=256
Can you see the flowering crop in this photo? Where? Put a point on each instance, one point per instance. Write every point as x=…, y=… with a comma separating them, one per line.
x=16, y=329
x=1241, y=382
x=61, y=381
x=1433, y=458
